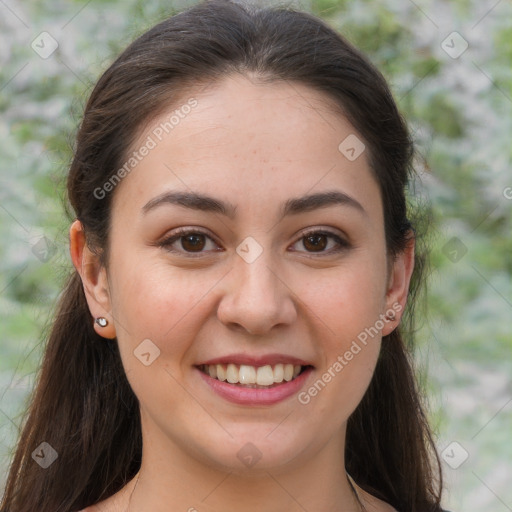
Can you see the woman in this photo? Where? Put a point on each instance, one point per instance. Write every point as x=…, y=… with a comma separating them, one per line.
x=230, y=339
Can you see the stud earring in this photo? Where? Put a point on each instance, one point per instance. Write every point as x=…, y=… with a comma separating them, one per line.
x=391, y=316
x=102, y=322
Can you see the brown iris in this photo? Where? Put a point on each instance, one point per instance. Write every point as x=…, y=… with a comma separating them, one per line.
x=194, y=242
x=316, y=242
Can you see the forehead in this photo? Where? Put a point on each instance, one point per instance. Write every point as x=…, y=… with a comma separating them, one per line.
x=243, y=139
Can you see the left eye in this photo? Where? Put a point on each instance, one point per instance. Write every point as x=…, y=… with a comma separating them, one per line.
x=197, y=241
x=317, y=241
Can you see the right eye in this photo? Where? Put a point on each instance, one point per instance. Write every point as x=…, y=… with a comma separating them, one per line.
x=192, y=241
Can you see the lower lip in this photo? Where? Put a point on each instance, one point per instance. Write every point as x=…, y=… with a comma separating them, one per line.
x=256, y=396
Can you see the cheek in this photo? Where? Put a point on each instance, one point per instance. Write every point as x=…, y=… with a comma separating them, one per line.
x=346, y=299
x=158, y=303
x=345, y=309
x=159, y=313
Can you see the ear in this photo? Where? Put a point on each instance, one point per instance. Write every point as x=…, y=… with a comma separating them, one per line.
x=398, y=286
x=94, y=279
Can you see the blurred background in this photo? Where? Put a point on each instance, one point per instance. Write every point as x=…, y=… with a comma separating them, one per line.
x=449, y=66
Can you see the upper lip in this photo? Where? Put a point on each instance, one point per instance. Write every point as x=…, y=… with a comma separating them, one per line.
x=263, y=360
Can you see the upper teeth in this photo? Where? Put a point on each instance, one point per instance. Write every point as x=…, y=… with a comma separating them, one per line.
x=244, y=374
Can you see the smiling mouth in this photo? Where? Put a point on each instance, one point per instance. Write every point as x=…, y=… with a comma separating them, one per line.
x=264, y=377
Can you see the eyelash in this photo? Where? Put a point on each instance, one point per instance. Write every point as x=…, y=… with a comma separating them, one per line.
x=182, y=232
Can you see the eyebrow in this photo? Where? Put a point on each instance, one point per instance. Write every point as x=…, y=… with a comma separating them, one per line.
x=294, y=206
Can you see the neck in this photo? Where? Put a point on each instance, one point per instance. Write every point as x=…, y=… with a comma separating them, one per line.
x=173, y=480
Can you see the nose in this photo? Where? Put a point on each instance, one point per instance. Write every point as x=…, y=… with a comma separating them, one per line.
x=256, y=297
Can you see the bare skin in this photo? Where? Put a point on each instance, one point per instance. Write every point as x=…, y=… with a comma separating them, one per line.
x=120, y=501
x=254, y=146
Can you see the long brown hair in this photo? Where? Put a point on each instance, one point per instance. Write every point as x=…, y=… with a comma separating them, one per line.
x=82, y=404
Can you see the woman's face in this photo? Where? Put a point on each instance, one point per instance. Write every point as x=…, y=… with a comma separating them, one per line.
x=291, y=270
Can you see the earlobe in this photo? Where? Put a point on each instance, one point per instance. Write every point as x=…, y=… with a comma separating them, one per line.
x=398, y=287
x=94, y=280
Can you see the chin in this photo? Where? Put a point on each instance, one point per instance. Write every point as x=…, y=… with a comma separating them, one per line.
x=254, y=454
